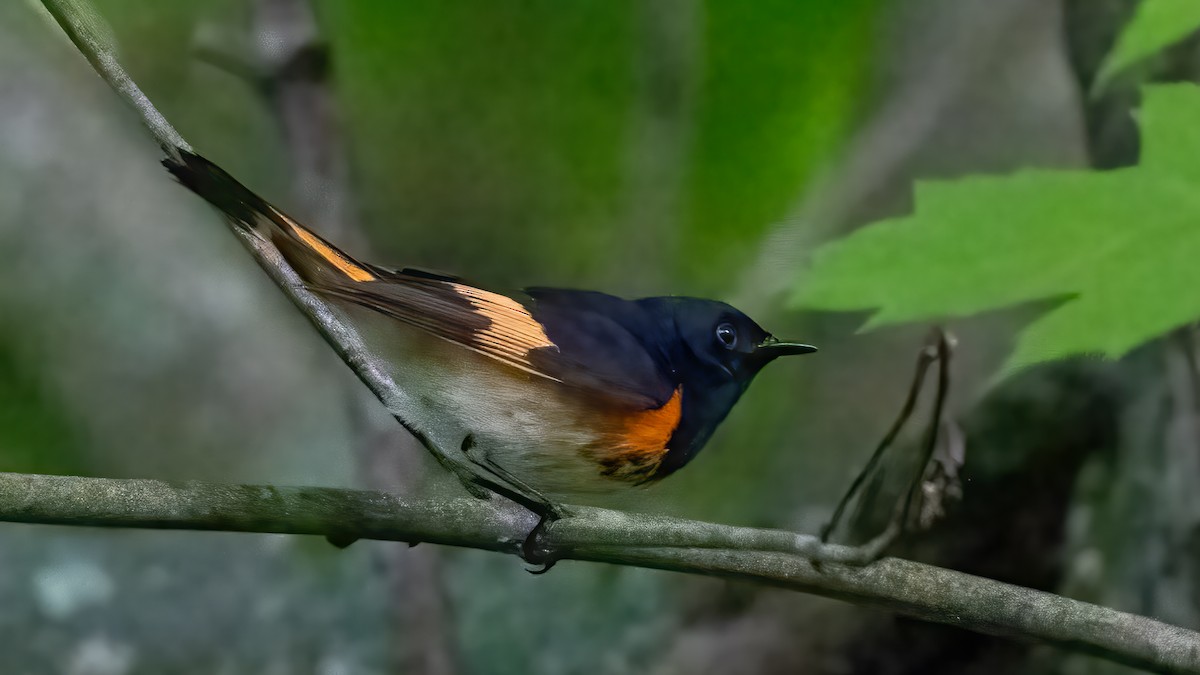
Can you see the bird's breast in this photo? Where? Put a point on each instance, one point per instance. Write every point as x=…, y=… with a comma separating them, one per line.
x=560, y=441
x=631, y=444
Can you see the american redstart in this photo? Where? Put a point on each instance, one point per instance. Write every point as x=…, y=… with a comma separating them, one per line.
x=541, y=392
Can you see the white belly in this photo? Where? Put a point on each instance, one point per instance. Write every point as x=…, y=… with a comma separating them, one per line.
x=532, y=426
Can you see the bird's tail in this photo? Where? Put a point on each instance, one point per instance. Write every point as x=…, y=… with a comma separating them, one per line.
x=314, y=259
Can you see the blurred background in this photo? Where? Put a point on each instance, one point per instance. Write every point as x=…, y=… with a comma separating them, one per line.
x=696, y=147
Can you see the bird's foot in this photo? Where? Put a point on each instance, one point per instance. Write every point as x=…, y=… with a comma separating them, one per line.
x=534, y=550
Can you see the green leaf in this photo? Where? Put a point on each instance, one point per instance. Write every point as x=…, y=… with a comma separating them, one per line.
x=1157, y=25
x=1121, y=249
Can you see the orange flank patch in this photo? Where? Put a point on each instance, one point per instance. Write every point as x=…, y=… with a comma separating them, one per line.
x=635, y=451
x=342, y=262
x=648, y=432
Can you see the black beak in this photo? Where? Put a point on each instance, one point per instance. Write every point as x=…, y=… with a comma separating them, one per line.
x=771, y=348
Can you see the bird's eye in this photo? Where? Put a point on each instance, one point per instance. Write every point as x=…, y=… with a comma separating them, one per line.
x=727, y=335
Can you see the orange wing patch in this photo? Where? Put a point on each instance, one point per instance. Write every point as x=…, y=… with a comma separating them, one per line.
x=512, y=332
x=635, y=450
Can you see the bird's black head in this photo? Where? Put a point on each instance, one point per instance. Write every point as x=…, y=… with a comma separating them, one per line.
x=715, y=351
x=721, y=345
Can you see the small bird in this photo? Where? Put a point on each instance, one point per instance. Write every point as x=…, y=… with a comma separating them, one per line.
x=534, y=394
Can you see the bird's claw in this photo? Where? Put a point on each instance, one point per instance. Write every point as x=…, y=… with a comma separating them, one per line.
x=534, y=551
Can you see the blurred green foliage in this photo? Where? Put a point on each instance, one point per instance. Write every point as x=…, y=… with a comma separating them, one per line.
x=495, y=121
x=1116, y=247
x=1156, y=25
x=509, y=123
x=782, y=86
x=36, y=435
x=160, y=43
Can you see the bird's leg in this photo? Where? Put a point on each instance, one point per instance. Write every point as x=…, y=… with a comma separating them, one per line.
x=522, y=493
x=469, y=480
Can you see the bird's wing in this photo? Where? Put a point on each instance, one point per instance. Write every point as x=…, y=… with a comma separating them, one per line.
x=491, y=324
x=586, y=349
x=578, y=347
x=606, y=343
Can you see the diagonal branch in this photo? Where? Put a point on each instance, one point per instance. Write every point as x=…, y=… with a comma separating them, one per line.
x=601, y=535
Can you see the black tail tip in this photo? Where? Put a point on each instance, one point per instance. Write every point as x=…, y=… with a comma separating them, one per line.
x=215, y=185
x=183, y=165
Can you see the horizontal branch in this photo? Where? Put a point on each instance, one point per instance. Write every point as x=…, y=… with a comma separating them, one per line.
x=601, y=535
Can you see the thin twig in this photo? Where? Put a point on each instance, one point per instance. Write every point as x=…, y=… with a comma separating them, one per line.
x=925, y=358
x=901, y=513
x=942, y=348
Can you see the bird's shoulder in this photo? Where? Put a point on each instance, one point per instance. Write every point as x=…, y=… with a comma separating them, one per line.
x=605, y=344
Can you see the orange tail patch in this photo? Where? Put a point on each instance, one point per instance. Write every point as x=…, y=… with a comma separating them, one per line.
x=323, y=249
